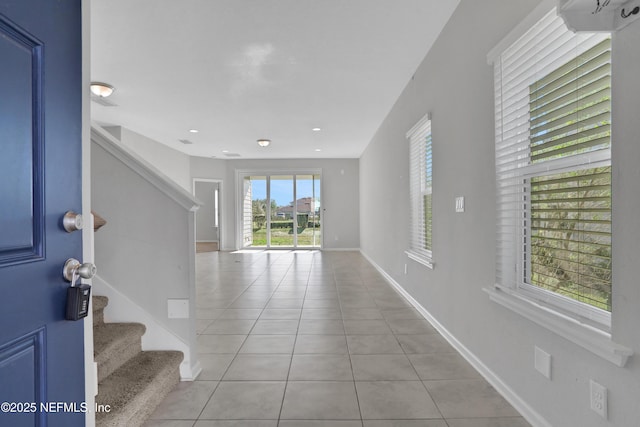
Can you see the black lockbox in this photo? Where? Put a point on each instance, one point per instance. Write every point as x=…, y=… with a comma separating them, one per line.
x=78, y=302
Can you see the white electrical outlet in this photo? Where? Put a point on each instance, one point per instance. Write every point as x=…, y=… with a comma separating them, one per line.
x=460, y=204
x=598, y=399
x=542, y=362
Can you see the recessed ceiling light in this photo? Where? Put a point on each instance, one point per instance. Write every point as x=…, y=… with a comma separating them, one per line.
x=225, y=151
x=194, y=130
x=318, y=149
x=101, y=89
x=316, y=129
x=264, y=142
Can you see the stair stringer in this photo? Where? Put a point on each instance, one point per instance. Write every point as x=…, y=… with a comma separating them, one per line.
x=157, y=337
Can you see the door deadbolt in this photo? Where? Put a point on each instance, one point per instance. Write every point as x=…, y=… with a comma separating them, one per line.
x=72, y=221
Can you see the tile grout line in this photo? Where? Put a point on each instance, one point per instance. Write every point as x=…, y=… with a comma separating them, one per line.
x=353, y=375
x=361, y=282
x=293, y=349
x=232, y=360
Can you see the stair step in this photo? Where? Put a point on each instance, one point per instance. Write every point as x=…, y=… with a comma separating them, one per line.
x=114, y=344
x=99, y=303
x=135, y=389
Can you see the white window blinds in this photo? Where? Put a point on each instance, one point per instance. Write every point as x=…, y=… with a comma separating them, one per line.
x=553, y=177
x=420, y=185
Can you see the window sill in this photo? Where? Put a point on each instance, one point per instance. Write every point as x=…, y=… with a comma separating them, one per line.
x=427, y=262
x=586, y=336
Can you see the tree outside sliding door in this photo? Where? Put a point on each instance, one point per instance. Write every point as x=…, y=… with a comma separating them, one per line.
x=281, y=210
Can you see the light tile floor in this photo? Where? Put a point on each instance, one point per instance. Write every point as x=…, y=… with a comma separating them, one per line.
x=320, y=339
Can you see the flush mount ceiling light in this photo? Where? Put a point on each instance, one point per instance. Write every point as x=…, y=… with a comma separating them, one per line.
x=102, y=90
x=194, y=130
x=264, y=142
x=316, y=129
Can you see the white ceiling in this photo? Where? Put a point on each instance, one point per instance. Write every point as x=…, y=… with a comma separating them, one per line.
x=240, y=70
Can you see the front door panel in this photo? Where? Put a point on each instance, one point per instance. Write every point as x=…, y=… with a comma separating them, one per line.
x=21, y=213
x=41, y=354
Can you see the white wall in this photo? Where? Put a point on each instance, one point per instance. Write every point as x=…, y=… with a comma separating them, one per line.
x=340, y=192
x=171, y=162
x=455, y=84
x=624, y=384
x=146, y=251
x=116, y=190
x=206, y=168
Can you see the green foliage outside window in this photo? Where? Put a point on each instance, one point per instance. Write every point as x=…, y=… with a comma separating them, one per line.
x=569, y=213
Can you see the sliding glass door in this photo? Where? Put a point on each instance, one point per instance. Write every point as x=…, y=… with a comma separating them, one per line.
x=281, y=210
x=254, y=211
x=282, y=222
x=308, y=210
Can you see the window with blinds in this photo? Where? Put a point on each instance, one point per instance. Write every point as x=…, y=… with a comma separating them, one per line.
x=553, y=168
x=420, y=188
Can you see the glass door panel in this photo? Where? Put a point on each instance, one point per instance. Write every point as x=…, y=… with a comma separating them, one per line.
x=282, y=230
x=308, y=210
x=281, y=211
x=255, y=211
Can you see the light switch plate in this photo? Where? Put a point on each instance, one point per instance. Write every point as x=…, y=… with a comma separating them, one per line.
x=460, y=204
x=542, y=362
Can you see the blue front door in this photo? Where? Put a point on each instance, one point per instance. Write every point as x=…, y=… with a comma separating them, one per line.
x=41, y=353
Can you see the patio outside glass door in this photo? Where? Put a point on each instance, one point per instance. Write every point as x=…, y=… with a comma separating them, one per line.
x=281, y=211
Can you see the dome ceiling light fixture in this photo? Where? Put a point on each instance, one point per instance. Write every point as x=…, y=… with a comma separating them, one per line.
x=102, y=90
x=264, y=142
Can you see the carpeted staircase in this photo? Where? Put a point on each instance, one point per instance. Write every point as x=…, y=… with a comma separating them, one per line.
x=131, y=381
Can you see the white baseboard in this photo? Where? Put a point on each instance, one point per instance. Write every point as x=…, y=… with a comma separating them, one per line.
x=192, y=373
x=341, y=249
x=207, y=241
x=533, y=417
x=122, y=309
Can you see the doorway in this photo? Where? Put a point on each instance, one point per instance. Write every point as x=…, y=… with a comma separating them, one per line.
x=208, y=217
x=281, y=210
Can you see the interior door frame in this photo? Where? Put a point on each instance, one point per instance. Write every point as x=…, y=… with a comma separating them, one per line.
x=242, y=173
x=221, y=216
x=90, y=366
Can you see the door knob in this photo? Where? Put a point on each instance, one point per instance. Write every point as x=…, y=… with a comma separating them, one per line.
x=73, y=269
x=72, y=221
